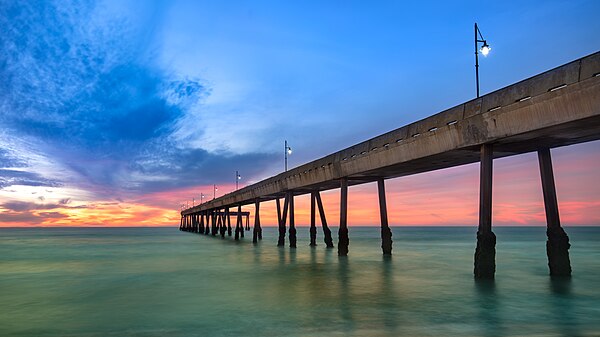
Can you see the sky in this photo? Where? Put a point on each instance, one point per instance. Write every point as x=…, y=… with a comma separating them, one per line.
x=115, y=113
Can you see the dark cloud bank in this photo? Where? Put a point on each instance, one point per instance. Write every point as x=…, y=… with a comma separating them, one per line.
x=93, y=95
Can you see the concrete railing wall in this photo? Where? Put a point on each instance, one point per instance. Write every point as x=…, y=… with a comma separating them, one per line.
x=451, y=129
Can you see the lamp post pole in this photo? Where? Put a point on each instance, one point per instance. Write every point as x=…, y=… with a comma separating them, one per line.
x=237, y=178
x=201, y=197
x=287, y=150
x=485, y=49
x=215, y=189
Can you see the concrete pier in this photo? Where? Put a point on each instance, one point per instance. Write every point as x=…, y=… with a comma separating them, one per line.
x=556, y=108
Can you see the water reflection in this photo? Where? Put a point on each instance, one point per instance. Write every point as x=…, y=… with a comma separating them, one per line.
x=489, y=313
x=344, y=294
x=561, y=301
x=389, y=297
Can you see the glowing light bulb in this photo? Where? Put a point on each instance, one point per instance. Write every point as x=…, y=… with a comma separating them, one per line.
x=485, y=49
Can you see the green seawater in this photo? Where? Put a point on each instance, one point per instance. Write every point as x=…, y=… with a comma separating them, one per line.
x=163, y=282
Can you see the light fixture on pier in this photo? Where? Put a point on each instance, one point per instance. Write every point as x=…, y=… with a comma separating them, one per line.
x=238, y=177
x=485, y=50
x=215, y=189
x=201, y=197
x=287, y=151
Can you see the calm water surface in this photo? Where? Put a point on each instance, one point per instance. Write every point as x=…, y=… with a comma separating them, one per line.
x=162, y=282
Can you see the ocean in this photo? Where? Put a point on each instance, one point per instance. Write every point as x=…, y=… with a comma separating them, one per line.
x=163, y=282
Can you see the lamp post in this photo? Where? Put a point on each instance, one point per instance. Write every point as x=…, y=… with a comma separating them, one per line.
x=193, y=202
x=201, y=197
x=485, y=50
x=287, y=150
x=215, y=189
x=237, y=178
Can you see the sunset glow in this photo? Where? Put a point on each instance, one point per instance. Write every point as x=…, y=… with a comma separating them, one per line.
x=106, y=122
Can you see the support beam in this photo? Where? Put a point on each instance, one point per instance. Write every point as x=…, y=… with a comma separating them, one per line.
x=282, y=218
x=181, y=223
x=313, y=227
x=207, y=227
x=557, y=246
x=326, y=231
x=228, y=216
x=238, y=224
x=386, y=232
x=343, y=240
x=485, y=253
x=222, y=225
x=241, y=221
x=292, y=230
x=201, y=226
x=257, y=232
x=214, y=222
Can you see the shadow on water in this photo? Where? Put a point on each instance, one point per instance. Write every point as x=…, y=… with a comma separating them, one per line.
x=487, y=298
x=562, y=306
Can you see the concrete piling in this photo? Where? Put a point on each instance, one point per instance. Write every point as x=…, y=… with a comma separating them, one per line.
x=386, y=232
x=292, y=230
x=485, y=253
x=557, y=245
x=257, y=232
x=343, y=240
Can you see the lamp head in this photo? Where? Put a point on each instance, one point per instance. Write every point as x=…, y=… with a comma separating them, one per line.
x=485, y=49
x=289, y=150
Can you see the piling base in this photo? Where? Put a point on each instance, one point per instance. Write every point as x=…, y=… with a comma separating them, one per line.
x=327, y=237
x=485, y=255
x=557, y=249
x=386, y=241
x=281, y=240
x=313, y=236
x=343, y=242
x=292, y=236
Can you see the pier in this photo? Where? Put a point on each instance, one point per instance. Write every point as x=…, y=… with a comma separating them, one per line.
x=556, y=108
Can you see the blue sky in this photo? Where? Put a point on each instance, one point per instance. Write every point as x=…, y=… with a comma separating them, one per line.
x=111, y=100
